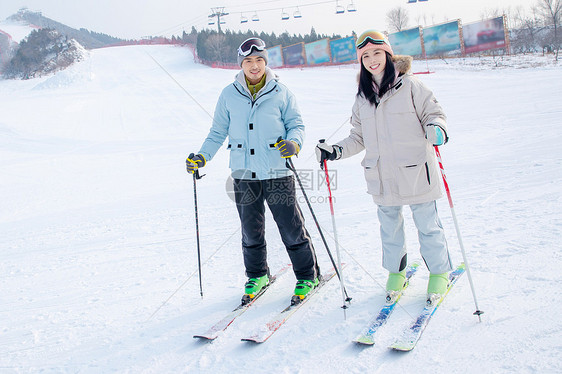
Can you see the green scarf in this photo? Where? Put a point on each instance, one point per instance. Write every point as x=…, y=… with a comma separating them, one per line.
x=255, y=88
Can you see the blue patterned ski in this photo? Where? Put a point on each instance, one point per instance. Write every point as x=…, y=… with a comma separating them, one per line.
x=412, y=335
x=213, y=332
x=367, y=335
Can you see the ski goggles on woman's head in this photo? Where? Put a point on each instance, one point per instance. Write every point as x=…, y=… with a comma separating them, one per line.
x=250, y=45
x=371, y=36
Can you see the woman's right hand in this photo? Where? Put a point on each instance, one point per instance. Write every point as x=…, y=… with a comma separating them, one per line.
x=327, y=152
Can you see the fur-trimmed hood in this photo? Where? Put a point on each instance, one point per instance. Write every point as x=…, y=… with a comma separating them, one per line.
x=402, y=63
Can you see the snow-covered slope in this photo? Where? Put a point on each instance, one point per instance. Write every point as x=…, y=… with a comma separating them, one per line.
x=99, y=263
x=16, y=30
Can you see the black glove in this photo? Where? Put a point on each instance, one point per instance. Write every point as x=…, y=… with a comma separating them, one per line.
x=327, y=152
x=288, y=148
x=194, y=162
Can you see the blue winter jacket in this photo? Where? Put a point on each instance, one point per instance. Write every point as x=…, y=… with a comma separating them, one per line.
x=253, y=127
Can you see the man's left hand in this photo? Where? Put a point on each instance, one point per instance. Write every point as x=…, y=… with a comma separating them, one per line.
x=288, y=148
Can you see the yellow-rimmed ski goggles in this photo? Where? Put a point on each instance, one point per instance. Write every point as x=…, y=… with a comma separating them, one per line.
x=371, y=36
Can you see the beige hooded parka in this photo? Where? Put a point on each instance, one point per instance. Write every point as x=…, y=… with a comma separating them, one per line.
x=399, y=164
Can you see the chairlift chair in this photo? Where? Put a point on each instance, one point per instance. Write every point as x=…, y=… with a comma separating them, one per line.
x=243, y=19
x=297, y=13
x=255, y=17
x=351, y=7
x=339, y=9
x=284, y=15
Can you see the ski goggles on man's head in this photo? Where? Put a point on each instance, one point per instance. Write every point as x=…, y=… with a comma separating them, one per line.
x=374, y=37
x=250, y=45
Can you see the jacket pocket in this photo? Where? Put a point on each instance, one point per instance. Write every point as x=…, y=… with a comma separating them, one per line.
x=372, y=177
x=413, y=180
x=276, y=162
x=237, y=148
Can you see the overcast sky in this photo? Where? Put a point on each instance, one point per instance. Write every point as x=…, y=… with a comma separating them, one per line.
x=138, y=18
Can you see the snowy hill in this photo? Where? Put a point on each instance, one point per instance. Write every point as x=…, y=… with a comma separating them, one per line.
x=20, y=24
x=11, y=33
x=99, y=263
x=16, y=30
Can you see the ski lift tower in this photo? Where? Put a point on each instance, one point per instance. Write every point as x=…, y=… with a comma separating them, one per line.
x=218, y=12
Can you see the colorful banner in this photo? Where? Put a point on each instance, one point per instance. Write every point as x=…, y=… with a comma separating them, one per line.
x=484, y=35
x=294, y=54
x=442, y=38
x=274, y=57
x=407, y=42
x=343, y=50
x=317, y=52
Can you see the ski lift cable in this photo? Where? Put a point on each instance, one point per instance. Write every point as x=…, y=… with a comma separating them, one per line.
x=203, y=18
x=253, y=4
x=180, y=27
x=286, y=6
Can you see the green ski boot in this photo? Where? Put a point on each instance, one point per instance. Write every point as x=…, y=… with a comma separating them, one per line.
x=395, y=285
x=302, y=289
x=436, y=287
x=253, y=287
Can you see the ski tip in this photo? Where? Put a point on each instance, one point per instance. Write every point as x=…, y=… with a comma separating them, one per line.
x=403, y=345
x=364, y=341
x=252, y=340
x=203, y=337
x=398, y=348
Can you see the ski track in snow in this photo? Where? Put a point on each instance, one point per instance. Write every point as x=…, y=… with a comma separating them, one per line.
x=98, y=225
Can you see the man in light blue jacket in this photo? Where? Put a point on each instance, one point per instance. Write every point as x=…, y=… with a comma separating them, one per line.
x=263, y=124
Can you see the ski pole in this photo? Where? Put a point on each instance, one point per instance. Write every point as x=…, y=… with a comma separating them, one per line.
x=195, y=177
x=292, y=167
x=335, y=234
x=478, y=312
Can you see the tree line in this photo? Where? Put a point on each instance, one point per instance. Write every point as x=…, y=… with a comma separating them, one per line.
x=542, y=27
x=221, y=46
x=539, y=27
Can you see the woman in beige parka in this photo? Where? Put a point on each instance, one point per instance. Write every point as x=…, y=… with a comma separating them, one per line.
x=397, y=121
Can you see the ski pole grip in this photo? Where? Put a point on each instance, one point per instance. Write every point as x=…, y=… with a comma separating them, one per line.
x=196, y=174
x=322, y=164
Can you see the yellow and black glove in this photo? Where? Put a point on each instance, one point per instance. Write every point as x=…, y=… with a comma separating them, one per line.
x=194, y=162
x=288, y=148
